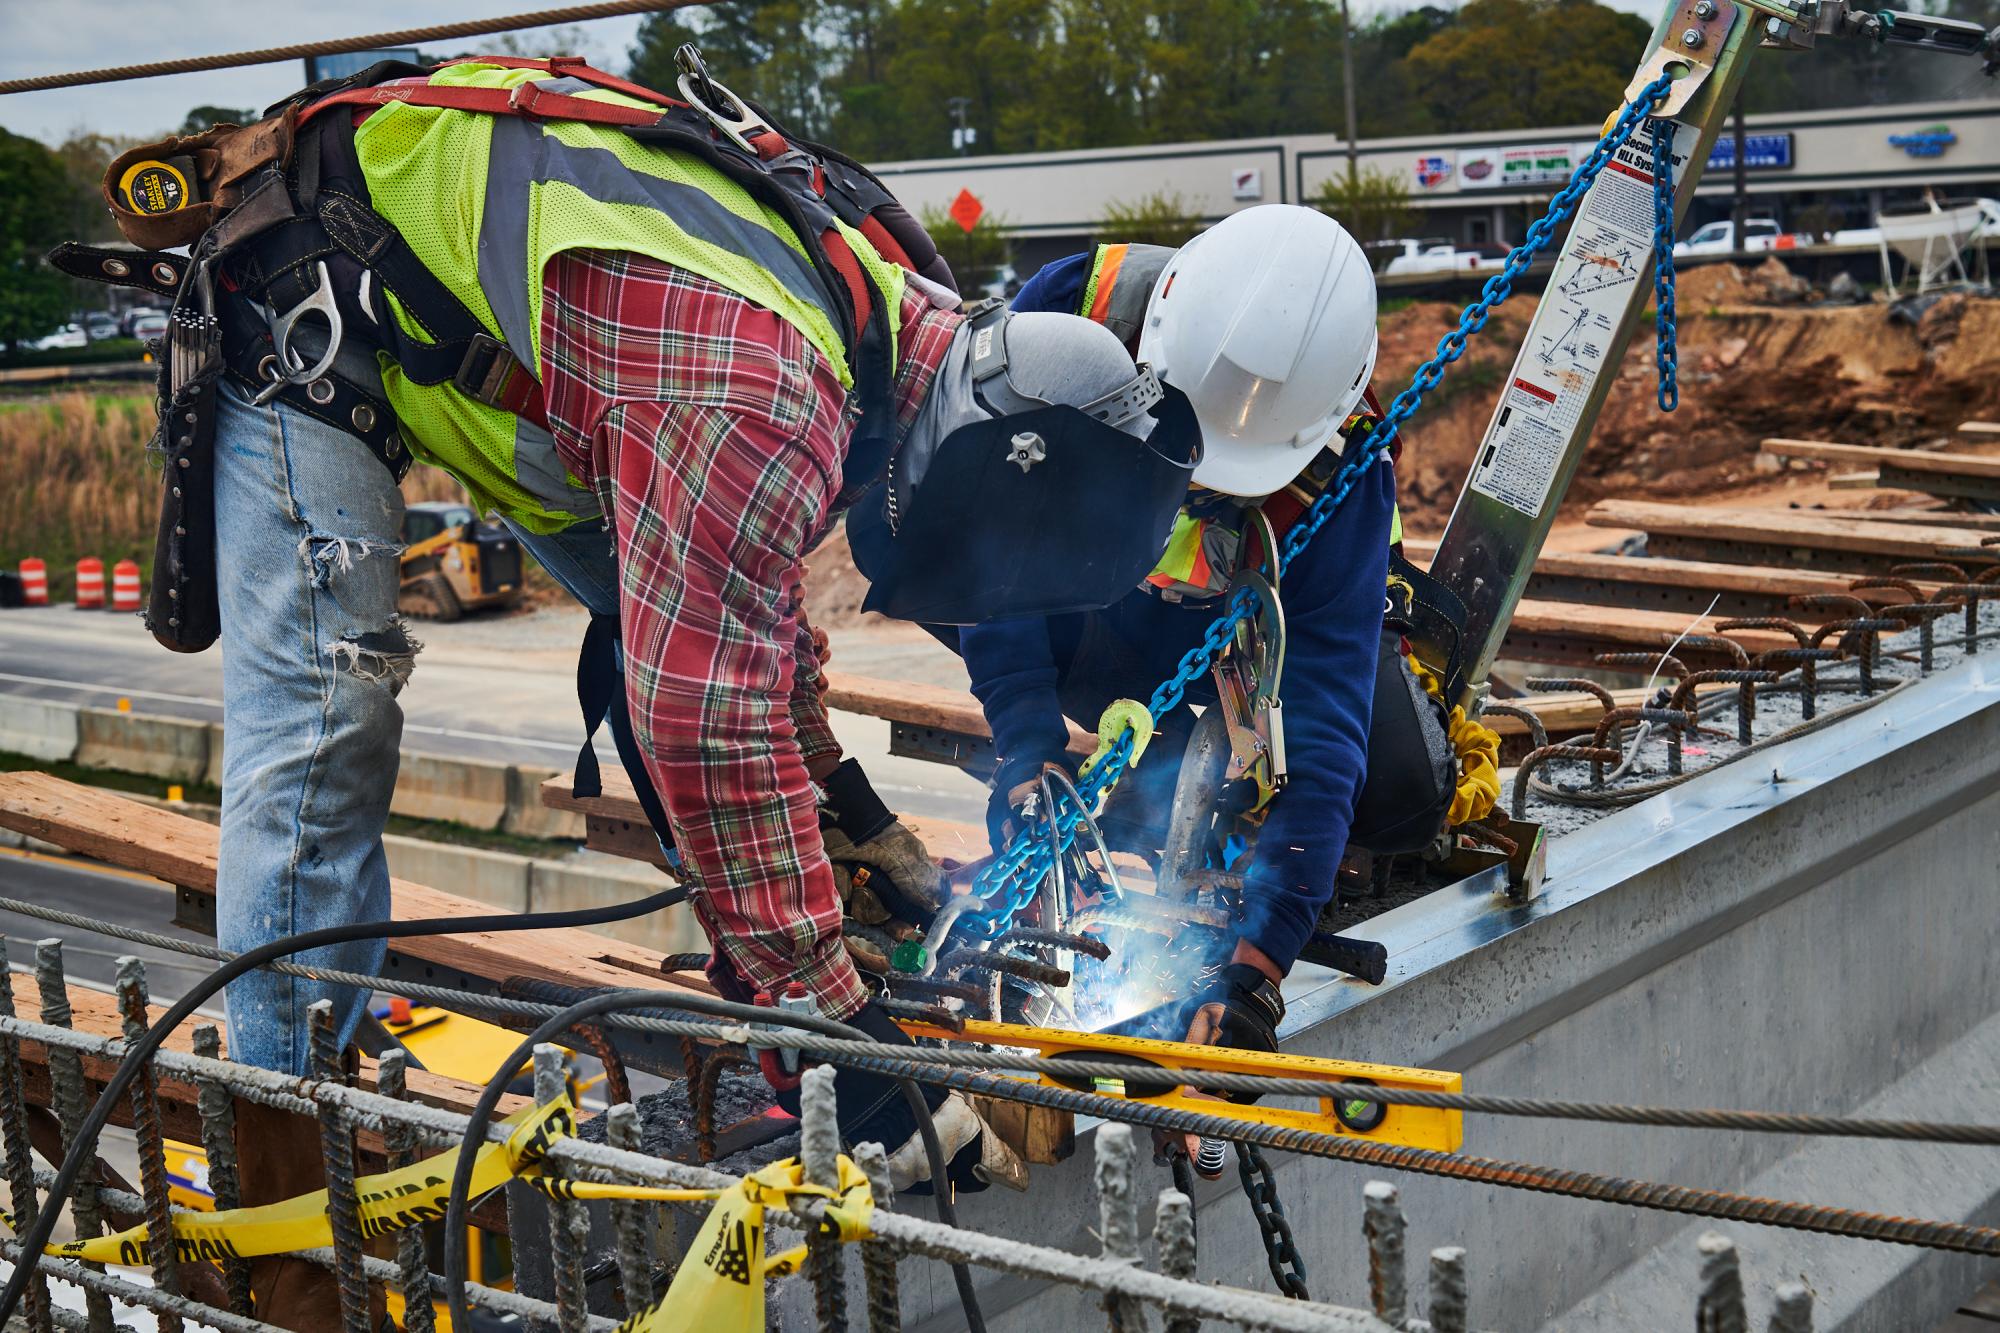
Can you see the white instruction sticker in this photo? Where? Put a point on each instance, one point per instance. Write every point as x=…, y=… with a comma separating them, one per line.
x=1604, y=262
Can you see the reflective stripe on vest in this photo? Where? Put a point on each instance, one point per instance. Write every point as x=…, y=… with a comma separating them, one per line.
x=486, y=201
x=1200, y=558
x=1120, y=287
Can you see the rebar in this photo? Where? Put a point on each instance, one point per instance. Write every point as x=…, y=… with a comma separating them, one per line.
x=1595, y=756
x=67, y=1092
x=1905, y=586
x=1863, y=632
x=878, y=1261
x=1661, y=663
x=1746, y=695
x=1114, y=1172
x=1491, y=836
x=1035, y=937
x=1578, y=684
x=960, y=961
x=1173, y=1234
x=1383, y=1226
x=217, y=1110
x=1783, y=624
x=1449, y=1297
x=1716, y=643
x=1538, y=735
x=569, y=1219
x=336, y=1138
x=1792, y=1309
x=713, y=1068
x=20, y=1155
x=412, y=1264
x=1806, y=659
x=1923, y=613
x=1971, y=594
x=1720, y=1309
x=1936, y=571
x=629, y=1217
x=131, y=988
x=819, y=1155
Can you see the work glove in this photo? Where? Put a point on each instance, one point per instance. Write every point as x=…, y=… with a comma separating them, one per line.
x=1016, y=782
x=872, y=1108
x=881, y=869
x=1240, y=1008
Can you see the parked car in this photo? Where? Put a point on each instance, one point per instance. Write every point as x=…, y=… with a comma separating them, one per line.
x=1719, y=238
x=69, y=335
x=151, y=324
x=1445, y=257
x=100, y=326
x=131, y=317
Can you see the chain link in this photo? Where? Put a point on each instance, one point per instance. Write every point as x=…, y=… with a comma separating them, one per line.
x=1663, y=262
x=1017, y=871
x=1260, y=1187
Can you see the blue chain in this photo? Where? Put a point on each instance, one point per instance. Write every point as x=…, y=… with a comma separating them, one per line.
x=1009, y=883
x=1663, y=262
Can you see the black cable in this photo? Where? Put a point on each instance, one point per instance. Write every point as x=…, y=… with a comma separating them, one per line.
x=36, y=1238
x=457, y=1204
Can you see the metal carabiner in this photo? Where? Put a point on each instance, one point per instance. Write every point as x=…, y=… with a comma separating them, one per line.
x=707, y=96
x=284, y=362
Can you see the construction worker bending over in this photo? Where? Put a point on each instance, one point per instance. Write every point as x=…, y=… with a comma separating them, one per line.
x=670, y=366
x=1267, y=323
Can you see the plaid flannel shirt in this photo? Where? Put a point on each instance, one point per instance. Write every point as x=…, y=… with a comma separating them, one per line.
x=715, y=435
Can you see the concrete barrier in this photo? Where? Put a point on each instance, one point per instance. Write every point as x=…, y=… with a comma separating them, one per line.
x=464, y=791
x=213, y=777
x=496, y=878
x=39, y=729
x=567, y=886
x=527, y=817
x=157, y=747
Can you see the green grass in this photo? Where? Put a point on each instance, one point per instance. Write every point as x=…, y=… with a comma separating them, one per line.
x=200, y=793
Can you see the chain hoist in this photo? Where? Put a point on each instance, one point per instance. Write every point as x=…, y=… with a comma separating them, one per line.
x=1260, y=1187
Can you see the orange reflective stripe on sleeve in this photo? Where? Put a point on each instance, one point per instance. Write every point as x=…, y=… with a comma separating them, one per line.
x=1103, y=281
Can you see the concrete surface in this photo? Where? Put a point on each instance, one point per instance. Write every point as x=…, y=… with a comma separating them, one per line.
x=158, y=747
x=39, y=730
x=1809, y=933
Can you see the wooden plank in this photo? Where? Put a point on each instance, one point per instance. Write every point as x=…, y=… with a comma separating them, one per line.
x=923, y=706
x=946, y=839
x=1811, y=530
x=1865, y=455
x=1854, y=481
x=1987, y=428
x=1622, y=627
x=1702, y=577
x=182, y=852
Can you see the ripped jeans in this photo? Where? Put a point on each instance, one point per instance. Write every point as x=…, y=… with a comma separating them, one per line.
x=308, y=541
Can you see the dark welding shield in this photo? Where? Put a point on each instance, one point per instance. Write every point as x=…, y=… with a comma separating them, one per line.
x=1025, y=506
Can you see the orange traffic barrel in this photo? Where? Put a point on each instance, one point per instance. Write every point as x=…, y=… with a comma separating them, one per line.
x=89, y=583
x=35, y=582
x=125, y=586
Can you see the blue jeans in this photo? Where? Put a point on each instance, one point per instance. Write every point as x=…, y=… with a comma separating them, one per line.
x=308, y=540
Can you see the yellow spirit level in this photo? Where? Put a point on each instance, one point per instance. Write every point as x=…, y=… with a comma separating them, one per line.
x=1411, y=1126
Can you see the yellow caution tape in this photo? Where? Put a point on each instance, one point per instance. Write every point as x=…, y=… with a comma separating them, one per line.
x=1118, y=715
x=721, y=1283
x=390, y=1202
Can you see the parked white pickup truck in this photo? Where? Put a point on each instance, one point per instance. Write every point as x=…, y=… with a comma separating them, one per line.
x=1719, y=238
x=1444, y=257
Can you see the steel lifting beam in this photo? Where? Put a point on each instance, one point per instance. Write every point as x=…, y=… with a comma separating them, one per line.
x=1587, y=315
x=1411, y=1126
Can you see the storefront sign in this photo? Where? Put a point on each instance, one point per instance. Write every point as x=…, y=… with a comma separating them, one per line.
x=1928, y=142
x=1528, y=166
x=1761, y=152
x=1433, y=171
x=1246, y=183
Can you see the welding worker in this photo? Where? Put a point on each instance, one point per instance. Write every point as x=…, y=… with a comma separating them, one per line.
x=670, y=399
x=1267, y=323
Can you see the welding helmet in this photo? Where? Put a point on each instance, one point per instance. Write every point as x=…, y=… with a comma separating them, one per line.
x=1041, y=477
x=1266, y=321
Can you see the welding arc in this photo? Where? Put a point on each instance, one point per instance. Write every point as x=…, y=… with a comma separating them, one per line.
x=1937, y=1235
x=437, y=32
x=457, y=1202
x=36, y=1238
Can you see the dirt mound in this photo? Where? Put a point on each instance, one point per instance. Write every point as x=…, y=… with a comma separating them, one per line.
x=1852, y=374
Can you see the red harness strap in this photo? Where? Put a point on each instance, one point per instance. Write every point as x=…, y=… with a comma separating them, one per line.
x=527, y=99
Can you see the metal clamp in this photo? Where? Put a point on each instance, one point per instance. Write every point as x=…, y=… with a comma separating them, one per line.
x=286, y=364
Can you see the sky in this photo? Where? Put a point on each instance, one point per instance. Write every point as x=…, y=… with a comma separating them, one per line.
x=56, y=36
x=52, y=36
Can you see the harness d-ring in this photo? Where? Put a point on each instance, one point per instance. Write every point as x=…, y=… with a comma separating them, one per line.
x=283, y=359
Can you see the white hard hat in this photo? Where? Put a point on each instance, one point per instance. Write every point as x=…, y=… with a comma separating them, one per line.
x=1266, y=321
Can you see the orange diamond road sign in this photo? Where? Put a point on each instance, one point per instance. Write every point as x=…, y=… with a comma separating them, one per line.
x=966, y=210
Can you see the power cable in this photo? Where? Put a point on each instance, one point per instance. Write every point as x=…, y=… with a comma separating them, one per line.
x=436, y=32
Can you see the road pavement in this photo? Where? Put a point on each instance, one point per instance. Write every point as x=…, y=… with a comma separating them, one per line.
x=494, y=688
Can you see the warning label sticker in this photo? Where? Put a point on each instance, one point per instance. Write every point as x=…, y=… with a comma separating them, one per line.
x=1600, y=271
